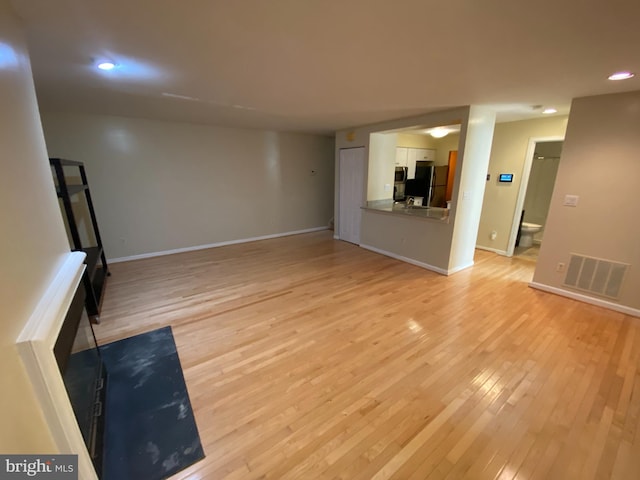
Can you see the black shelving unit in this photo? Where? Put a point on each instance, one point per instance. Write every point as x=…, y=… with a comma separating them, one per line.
x=97, y=270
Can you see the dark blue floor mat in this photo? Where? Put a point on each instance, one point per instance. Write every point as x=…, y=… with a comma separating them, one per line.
x=150, y=431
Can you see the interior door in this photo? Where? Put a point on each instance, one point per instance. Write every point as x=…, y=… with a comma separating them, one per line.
x=451, y=174
x=352, y=184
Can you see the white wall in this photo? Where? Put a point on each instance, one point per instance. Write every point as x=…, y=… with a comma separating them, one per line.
x=508, y=155
x=161, y=186
x=415, y=141
x=382, y=157
x=33, y=243
x=424, y=242
x=601, y=164
x=469, y=184
x=445, y=145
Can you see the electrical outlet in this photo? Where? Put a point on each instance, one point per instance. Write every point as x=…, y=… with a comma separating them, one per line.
x=494, y=235
x=560, y=267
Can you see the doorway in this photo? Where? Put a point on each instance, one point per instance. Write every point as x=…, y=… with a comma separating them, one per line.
x=534, y=198
x=352, y=183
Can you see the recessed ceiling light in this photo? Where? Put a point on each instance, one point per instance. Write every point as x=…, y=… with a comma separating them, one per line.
x=621, y=75
x=106, y=66
x=549, y=111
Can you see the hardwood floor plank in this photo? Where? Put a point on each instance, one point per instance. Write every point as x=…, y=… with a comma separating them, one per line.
x=311, y=358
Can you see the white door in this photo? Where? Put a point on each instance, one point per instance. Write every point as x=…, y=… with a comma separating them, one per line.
x=352, y=170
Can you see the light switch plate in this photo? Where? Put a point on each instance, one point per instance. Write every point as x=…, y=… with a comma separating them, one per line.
x=571, y=200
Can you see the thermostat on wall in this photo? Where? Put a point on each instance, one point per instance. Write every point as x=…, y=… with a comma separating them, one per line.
x=505, y=177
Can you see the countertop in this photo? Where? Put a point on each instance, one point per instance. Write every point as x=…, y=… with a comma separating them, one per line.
x=393, y=208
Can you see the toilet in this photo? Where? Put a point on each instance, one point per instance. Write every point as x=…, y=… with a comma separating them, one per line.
x=527, y=231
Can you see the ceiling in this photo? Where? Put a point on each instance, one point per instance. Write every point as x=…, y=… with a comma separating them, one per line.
x=323, y=65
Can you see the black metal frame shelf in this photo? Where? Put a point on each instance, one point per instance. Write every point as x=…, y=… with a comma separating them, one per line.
x=97, y=270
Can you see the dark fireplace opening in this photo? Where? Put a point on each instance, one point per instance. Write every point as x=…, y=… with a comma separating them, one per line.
x=84, y=375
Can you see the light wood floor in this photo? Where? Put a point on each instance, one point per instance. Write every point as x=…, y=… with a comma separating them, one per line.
x=309, y=358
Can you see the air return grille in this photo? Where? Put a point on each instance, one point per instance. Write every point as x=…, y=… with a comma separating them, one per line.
x=595, y=275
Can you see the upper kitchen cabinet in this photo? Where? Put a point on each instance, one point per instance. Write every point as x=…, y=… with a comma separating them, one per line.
x=401, y=156
x=415, y=154
x=425, y=154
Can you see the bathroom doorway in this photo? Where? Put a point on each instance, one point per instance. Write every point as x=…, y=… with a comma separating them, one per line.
x=534, y=199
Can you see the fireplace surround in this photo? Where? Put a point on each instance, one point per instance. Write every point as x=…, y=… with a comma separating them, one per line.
x=84, y=375
x=36, y=344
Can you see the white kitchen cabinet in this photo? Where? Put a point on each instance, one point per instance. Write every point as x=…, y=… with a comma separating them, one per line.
x=401, y=156
x=412, y=156
x=415, y=154
x=425, y=154
x=407, y=157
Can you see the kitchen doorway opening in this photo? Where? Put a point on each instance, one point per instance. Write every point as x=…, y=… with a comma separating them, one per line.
x=534, y=197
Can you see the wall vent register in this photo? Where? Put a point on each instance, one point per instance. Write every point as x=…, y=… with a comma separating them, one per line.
x=595, y=275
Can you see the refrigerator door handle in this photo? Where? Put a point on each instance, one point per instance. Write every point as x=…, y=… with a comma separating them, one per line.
x=433, y=187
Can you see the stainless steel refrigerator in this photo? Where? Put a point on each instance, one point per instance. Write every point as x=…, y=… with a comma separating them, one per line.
x=430, y=182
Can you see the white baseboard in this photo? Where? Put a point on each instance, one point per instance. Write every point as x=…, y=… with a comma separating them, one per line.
x=634, y=312
x=451, y=271
x=417, y=263
x=494, y=250
x=213, y=245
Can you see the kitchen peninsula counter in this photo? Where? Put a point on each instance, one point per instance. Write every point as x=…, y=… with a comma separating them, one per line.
x=389, y=207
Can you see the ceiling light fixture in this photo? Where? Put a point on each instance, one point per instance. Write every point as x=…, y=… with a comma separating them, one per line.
x=621, y=75
x=549, y=111
x=106, y=66
x=439, y=132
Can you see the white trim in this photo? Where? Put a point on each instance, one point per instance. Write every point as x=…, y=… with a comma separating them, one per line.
x=494, y=250
x=586, y=299
x=426, y=266
x=47, y=318
x=459, y=268
x=526, y=171
x=336, y=237
x=35, y=346
x=354, y=167
x=214, y=245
